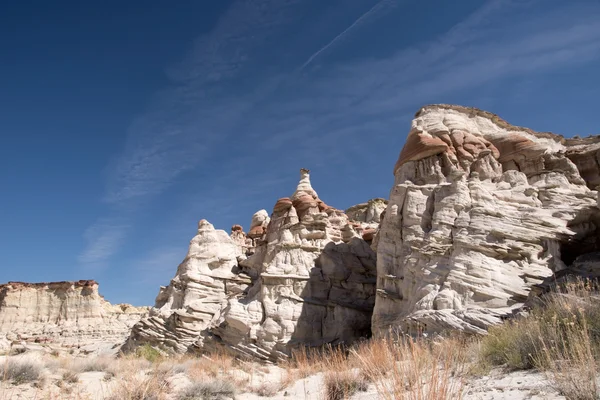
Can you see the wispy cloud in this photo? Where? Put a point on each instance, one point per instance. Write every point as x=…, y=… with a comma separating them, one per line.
x=337, y=103
x=367, y=17
x=235, y=111
x=187, y=119
x=103, y=239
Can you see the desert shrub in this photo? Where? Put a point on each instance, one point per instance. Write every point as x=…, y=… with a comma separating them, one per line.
x=70, y=377
x=134, y=386
x=149, y=353
x=343, y=384
x=21, y=371
x=266, y=389
x=208, y=390
x=512, y=344
x=92, y=365
x=404, y=368
x=522, y=343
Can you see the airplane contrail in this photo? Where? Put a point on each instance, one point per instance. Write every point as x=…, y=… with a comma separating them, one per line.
x=360, y=19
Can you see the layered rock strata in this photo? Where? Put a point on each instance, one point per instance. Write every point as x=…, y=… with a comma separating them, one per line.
x=481, y=211
x=306, y=278
x=63, y=315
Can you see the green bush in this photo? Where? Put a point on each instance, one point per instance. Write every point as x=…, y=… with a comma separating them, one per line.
x=149, y=353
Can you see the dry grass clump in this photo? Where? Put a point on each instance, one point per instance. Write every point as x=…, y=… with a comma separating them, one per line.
x=124, y=365
x=208, y=390
x=140, y=386
x=266, y=389
x=341, y=378
x=406, y=368
x=571, y=364
x=306, y=361
x=400, y=368
x=70, y=377
x=343, y=384
x=512, y=344
x=22, y=370
x=561, y=336
x=96, y=364
x=519, y=344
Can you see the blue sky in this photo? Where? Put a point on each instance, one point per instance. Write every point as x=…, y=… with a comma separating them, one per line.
x=124, y=123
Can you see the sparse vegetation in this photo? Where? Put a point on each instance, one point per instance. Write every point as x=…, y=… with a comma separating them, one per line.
x=137, y=385
x=216, y=389
x=70, y=377
x=405, y=368
x=343, y=384
x=20, y=371
x=560, y=337
x=99, y=364
x=149, y=353
x=266, y=389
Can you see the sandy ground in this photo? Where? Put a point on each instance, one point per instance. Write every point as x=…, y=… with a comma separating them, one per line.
x=96, y=385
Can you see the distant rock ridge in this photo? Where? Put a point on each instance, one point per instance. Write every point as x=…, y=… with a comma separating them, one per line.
x=303, y=276
x=480, y=213
x=63, y=315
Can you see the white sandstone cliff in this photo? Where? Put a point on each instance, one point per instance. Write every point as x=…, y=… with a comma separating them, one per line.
x=481, y=211
x=63, y=315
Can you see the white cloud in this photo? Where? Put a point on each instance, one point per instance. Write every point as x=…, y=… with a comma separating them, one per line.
x=189, y=118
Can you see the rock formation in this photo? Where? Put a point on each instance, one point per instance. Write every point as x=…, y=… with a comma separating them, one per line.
x=304, y=276
x=482, y=216
x=481, y=211
x=315, y=281
x=206, y=278
x=63, y=315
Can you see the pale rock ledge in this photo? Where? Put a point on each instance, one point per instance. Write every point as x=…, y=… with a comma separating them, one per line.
x=63, y=315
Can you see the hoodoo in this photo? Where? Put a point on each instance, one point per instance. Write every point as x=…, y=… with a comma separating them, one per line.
x=303, y=276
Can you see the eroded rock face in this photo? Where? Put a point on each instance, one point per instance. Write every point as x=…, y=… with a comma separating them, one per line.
x=481, y=211
x=63, y=315
x=315, y=282
x=306, y=278
x=204, y=281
